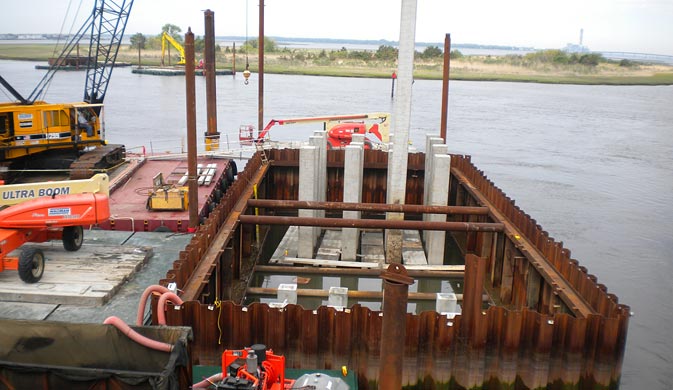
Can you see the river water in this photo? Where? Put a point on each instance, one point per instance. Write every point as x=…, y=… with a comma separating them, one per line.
x=592, y=164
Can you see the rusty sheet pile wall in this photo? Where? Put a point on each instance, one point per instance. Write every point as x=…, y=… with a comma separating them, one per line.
x=584, y=283
x=500, y=345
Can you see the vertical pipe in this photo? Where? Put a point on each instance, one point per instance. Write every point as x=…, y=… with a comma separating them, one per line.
x=445, y=87
x=212, y=136
x=475, y=270
x=233, y=59
x=260, y=46
x=191, y=131
x=396, y=284
x=392, y=88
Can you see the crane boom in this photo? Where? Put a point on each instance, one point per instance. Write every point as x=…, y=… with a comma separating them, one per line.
x=107, y=29
x=181, y=50
x=106, y=25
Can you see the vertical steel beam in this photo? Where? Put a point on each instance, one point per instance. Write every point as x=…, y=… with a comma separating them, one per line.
x=260, y=67
x=212, y=136
x=475, y=269
x=396, y=284
x=445, y=87
x=191, y=131
x=233, y=60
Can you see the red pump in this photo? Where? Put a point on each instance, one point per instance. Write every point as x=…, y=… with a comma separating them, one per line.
x=45, y=219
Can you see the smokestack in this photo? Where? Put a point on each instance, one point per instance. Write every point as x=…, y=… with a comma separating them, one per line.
x=581, y=35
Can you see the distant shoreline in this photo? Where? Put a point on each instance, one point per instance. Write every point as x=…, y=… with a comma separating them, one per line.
x=301, y=61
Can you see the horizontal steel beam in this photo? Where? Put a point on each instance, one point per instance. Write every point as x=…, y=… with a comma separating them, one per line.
x=355, y=294
x=382, y=207
x=334, y=271
x=372, y=223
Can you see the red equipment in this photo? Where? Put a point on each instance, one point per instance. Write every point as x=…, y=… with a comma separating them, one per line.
x=254, y=368
x=340, y=128
x=44, y=219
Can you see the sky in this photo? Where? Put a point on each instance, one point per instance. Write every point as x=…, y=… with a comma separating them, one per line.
x=643, y=26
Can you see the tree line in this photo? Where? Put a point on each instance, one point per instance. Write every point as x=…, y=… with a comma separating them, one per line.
x=385, y=53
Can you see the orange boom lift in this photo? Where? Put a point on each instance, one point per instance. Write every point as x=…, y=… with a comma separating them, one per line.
x=45, y=219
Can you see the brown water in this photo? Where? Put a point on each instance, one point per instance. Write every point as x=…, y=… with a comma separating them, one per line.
x=593, y=164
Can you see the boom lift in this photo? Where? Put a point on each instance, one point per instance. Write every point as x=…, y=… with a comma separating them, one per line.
x=18, y=193
x=166, y=37
x=340, y=129
x=66, y=131
x=44, y=219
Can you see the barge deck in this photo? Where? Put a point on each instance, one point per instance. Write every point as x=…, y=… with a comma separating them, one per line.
x=130, y=190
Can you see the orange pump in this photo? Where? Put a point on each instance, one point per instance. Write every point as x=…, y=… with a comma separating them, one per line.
x=254, y=368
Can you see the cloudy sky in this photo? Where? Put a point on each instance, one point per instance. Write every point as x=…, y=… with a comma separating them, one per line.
x=644, y=26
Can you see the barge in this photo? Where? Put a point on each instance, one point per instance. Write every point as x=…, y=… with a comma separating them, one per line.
x=149, y=194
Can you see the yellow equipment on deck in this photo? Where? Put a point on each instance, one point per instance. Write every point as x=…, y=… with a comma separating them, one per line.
x=167, y=196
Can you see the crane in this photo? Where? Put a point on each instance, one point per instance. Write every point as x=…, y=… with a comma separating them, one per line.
x=30, y=127
x=166, y=37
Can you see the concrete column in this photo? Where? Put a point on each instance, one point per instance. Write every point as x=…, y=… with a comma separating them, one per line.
x=434, y=150
x=308, y=190
x=354, y=161
x=439, y=195
x=397, y=166
x=319, y=140
x=430, y=140
x=358, y=138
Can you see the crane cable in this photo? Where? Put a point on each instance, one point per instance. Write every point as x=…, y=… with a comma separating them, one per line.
x=58, y=40
x=246, y=72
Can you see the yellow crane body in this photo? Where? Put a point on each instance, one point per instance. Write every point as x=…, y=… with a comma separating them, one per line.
x=26, y=130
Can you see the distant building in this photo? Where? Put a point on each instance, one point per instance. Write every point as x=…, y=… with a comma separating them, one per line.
x=577, y=48
x=574, y=48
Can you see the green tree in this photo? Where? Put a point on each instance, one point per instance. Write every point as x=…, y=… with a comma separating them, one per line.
x=199, y=44
x=363, y=55
x=138, y=41
x=431, y=52
x=455, y=54
x=386, y=53
x=270, y=45
x=591, y=59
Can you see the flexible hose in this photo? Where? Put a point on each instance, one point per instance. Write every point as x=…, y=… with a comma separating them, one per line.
x=161, y=306
x=143, y=300
x=137, y=337
x=208, y=381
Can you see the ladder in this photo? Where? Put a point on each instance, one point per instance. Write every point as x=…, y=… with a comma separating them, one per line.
x=260, y=148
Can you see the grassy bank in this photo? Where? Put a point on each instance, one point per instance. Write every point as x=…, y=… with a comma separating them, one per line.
x=473, y=68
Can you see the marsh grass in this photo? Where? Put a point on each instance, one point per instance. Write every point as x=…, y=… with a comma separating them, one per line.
x=362, y=64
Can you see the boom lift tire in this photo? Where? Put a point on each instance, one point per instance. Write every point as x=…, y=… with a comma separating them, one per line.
x=31, y=265
x=73, y=237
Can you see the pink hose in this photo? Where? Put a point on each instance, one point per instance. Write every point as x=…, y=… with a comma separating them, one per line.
x=161, y=306
x=143, y=300
x=137, y=337
x=207, y=382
